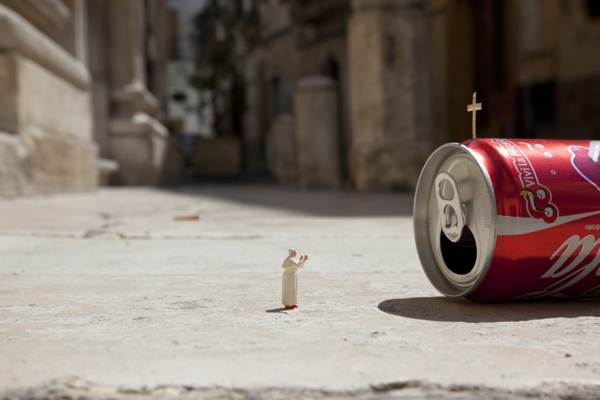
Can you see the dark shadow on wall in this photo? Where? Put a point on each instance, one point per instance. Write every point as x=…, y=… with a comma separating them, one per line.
x=444, y=309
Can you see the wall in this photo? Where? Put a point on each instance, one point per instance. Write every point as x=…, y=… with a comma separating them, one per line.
x=46, y=142
x=578, y=72
x=550, y=71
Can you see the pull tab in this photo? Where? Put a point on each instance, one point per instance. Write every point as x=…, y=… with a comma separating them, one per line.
x=450, y=208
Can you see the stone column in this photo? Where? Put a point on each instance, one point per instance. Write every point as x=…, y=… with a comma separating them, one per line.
x=387, y=47
x=80, y=30
x=138, y=141
x=316, y=122
x=97, y=46
x=284, y=148
x=126, y=40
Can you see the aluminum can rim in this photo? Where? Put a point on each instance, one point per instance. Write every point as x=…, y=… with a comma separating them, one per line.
x=445, y=280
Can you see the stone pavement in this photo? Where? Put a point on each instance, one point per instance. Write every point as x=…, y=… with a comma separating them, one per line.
x=106, y=295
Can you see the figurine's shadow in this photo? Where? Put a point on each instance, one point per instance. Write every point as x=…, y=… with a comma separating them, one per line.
x=446, y=309
x=281, y=310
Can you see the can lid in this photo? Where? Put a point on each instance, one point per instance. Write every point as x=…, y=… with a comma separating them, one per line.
x=454, y=220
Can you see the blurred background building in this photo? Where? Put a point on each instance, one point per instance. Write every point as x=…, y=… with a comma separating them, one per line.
x=317, y=93
x=535, y=64
x=339, y=90
x=82, y=94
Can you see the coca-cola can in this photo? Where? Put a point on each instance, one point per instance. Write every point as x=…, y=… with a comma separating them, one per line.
x=510, y=219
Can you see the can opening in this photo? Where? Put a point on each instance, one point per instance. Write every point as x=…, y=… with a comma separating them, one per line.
x=459, y=256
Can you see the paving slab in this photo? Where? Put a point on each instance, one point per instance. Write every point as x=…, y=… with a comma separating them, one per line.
x=111, y=294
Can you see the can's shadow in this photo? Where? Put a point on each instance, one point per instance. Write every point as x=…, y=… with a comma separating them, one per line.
x=461, y=310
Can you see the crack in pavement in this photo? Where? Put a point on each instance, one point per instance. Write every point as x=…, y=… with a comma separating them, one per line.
x=108, y=223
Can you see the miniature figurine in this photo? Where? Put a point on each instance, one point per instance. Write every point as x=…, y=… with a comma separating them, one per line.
x=289, y=283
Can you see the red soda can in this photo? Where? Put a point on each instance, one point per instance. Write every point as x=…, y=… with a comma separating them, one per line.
x=509, y=219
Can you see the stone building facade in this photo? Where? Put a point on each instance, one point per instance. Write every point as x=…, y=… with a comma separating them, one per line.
x=81, y=92
x=338, y=93
x=373, y=133
x=404, y=72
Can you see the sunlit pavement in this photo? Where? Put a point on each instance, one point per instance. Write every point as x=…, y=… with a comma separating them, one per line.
x=144, y=289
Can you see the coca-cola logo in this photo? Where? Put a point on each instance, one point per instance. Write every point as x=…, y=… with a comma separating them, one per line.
x=538, y=198
x=585, y=164
x=575, y=259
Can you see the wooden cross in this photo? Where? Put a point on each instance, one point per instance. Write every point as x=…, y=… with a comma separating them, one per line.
x=474, y=107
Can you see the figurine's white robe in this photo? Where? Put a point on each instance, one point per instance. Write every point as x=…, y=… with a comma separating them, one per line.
x=289, y=282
